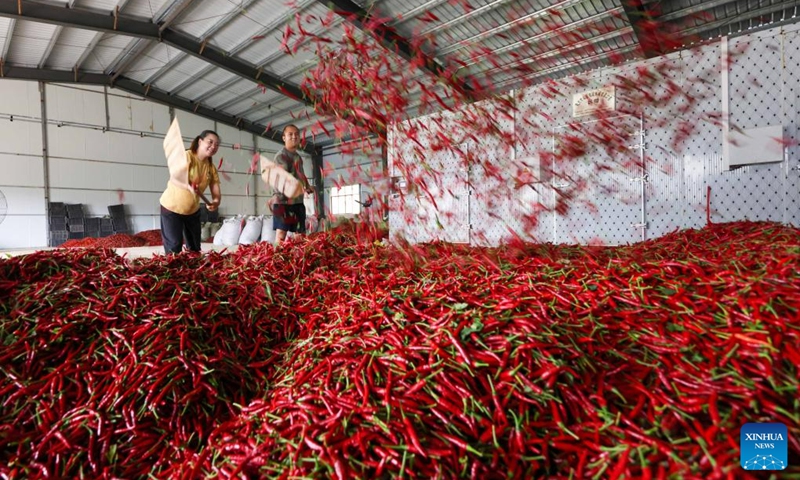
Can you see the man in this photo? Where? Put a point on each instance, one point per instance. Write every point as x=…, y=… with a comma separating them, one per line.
x=289, y=214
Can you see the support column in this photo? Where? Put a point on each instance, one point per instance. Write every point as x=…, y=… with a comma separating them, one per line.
x=45, y=158
x=256, y=175
x=319, y=182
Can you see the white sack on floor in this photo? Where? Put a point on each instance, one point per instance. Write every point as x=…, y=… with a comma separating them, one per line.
x=218, y=236
x=267, y=232
x=252, y=231
x=230, y=231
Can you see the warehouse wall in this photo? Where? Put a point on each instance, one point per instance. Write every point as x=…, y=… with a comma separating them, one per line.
x=22, y=180
x=625, y=205
x=104, y=148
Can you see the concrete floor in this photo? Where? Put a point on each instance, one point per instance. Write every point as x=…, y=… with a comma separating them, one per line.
x=132, y=252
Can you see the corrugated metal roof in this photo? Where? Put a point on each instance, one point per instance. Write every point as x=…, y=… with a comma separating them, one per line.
x=29, y=42
x=139, y=8
x=71, y=44
x=104, y=53
x=510, y=42
x=155, y=56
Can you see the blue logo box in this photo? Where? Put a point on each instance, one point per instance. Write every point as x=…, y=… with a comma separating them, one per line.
x=764, y=446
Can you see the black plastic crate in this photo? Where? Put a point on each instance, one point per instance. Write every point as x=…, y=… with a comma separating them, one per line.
x=76, y=221
x=57, y=238
x=120, y=224
x=92, y=234
x=213, y=217
x=75, y=211
x=77, y=228
x=92, y=223
x=76, y=235
x=57, y=209
x=106, y=224
x=58, y=223
x=116, y=211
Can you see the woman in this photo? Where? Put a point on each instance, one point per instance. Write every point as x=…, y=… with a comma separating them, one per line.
x=180, y=206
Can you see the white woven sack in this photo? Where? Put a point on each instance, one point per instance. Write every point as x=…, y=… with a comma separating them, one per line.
x=218, y=235
x=231, y=230
x=252, y=230
x=267, y=232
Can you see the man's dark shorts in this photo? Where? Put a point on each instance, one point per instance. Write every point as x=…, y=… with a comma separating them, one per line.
x=289, y=218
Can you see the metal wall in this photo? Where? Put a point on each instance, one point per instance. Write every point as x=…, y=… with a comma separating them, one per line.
x=97, y=147
x=678, y=186
x=439, y=206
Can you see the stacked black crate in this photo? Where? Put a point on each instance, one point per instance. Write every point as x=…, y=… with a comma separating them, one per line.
x=58, y=223
x=75, y=221
x=92, y=227
x=106, y=227
x=118, y=219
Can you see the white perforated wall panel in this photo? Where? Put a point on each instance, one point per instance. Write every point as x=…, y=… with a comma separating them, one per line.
x=791, y=103
x=687, y=182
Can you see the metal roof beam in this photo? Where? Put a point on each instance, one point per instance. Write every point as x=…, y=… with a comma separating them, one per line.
x=390, y=39
x=757, y=13
x=285, y=111
x=466, y=16
x=552, y=72
x=238, y=48
x=53, y=40
x=544, y=36
x=218, y=89
x=417, y=11
x=233, y=101
x=136, y=88
x=164, y=18
x=88, y=50
x=277, y=113
x=302, y=42
x=165, y=68
x=95, y=40
x=192, y=79
x=7, y=44
x=692, y=10
x=516, y=23
x=38, y=12
x=126, y=58
x=71, y=17
x=642, y=20
x=171, y=13
x=221, y=23
x=50, y=45
x=572, y=47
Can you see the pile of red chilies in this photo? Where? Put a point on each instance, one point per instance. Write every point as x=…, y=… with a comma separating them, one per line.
x=338, y=356
x=117, y=240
